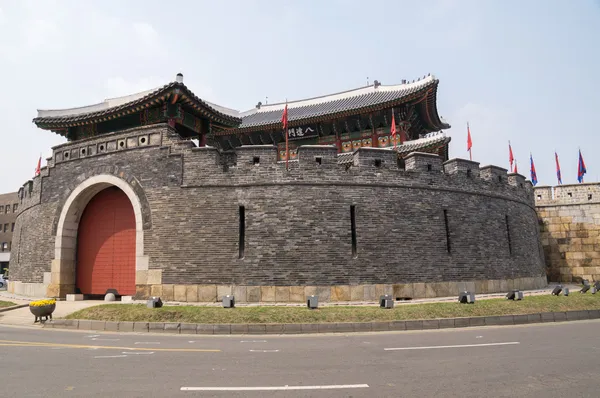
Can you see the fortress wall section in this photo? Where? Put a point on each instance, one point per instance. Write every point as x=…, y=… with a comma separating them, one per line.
x=569, y=217
x=346, y=231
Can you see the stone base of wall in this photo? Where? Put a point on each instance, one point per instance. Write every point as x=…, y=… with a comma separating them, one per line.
x=298, y=294
x=28, y=289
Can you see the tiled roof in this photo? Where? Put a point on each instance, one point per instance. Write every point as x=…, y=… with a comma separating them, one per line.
x=362, y=99
x=432, y=139
x=116, y=107
x=336, y=103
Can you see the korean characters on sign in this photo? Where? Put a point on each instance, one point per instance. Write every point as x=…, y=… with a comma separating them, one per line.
x=301, y=132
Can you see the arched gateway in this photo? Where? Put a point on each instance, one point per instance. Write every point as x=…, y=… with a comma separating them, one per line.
x=99, y=239
x=106, y=245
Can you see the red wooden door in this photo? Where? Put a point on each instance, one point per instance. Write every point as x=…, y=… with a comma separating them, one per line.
x=106, y=244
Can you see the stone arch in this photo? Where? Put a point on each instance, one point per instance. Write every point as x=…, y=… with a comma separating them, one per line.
x=63, y=264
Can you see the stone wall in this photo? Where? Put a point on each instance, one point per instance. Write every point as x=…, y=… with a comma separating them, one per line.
x=430, y=223
x=570, y=231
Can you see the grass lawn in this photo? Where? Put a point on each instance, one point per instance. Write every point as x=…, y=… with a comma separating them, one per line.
x=6, y=304
x=271, y=314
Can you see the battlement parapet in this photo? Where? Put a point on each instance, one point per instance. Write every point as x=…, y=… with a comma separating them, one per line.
x=461, y=167
x=571, y=194
x=493, y=174
x=319, y=164
x=254, y=155
x=420, y=161
x=135, y=138
x=375, y=158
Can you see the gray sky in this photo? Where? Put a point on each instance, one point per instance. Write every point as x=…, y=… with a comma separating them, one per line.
x=525, y=71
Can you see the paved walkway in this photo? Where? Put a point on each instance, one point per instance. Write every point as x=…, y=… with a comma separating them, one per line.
x=23, y=316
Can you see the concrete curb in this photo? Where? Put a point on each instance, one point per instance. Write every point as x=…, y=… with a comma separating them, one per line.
x=14, y=307
x=311, y=328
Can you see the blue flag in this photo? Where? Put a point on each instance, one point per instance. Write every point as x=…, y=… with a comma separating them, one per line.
x=534, y=180
x=581, y=170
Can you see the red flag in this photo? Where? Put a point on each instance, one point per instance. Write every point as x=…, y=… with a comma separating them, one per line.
x=516, y=171
x=284, y=121
x=39, y=166
x=393, y=128
x=511, y=158
x=469, y=142
x=284, y=118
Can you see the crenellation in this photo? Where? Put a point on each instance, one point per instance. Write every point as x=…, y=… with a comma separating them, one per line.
x=494, y=174
x=462, y=167
x=317, y=156
x=256, y=155
x=375, y=158
x=123, y=140
x=419, y=161
x=516, y=180
x=570, y=194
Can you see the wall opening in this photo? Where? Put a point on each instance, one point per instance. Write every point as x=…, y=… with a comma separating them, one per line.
x=353, y=229
x=401, y=163
x=589, y=196
x=428, y=167
x=508, y=235
x=377, y=163
x=319, y=160
x=256, y=160
x=448, y=248
x=242, y=236
x=469, y=173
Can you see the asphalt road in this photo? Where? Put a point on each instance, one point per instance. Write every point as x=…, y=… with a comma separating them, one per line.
x=544, y=360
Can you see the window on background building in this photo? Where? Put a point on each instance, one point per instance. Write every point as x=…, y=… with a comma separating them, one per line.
x=7, y=209
x=12, y=227
x=4, y=246
x=15, y=207
x=5, y=227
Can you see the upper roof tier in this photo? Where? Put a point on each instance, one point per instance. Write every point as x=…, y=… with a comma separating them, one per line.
x=361, y=100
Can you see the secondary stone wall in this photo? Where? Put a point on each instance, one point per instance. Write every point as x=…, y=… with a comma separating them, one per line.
x=297, y=222
x=570, y=230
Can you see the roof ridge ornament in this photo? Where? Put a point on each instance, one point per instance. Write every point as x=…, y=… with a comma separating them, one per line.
x=179, y=78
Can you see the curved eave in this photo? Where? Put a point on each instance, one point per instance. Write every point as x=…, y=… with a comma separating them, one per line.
x=426, y=95
x=175, y=92
x=430, y=115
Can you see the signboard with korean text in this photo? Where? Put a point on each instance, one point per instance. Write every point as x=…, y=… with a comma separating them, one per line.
x=298, y=133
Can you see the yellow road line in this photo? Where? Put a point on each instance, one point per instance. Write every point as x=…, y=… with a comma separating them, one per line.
x=42, y=344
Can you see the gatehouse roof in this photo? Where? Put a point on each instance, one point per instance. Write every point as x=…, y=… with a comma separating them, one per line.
x=361, y=100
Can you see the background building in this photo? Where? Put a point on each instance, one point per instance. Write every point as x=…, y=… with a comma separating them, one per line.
x=9, y=205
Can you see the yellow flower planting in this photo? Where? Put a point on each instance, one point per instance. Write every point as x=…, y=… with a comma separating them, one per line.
x=41, y=303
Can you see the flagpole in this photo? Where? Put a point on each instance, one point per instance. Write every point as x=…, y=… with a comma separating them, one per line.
x=395, y=133
x=287, y=149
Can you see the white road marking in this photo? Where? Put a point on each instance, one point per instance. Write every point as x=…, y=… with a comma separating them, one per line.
x=97, y=339
x=146, y=342
x=191, y=341
x=331, y=387
x=478, y=337
x=253, y=341
x=139, y=353
x=264, y=350
x=451, y=346
x=112, y=356
x=94, y=335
